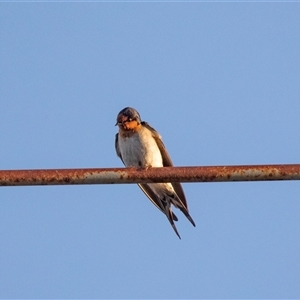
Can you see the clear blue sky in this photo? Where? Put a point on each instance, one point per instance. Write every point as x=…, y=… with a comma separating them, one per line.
x=219, y=81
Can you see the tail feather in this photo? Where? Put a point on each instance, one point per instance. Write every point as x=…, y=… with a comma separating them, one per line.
x=166, y=208
x=170, y=215
x=174, y=217
x=186, y=213
x=165, y=203
x=177, y=203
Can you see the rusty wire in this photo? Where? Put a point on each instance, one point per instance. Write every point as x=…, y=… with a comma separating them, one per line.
x=133, y=175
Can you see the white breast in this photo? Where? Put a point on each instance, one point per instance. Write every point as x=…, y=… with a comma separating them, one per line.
x=140, y=150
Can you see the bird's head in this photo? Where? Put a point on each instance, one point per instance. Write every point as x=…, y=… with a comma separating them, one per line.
x=128, y=119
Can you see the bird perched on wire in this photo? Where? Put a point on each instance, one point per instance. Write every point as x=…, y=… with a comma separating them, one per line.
x=139, y=145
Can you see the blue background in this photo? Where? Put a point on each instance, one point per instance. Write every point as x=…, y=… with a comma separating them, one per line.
x=219, y=81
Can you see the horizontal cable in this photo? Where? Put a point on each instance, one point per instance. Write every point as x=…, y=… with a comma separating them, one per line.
x=133, y=175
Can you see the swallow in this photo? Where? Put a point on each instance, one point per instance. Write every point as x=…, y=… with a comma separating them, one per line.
x=139, y=145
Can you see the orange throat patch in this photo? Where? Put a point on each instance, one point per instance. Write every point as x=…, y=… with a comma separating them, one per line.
x=129, y=128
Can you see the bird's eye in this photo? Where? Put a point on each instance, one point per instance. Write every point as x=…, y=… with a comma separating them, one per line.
x=129, y=119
